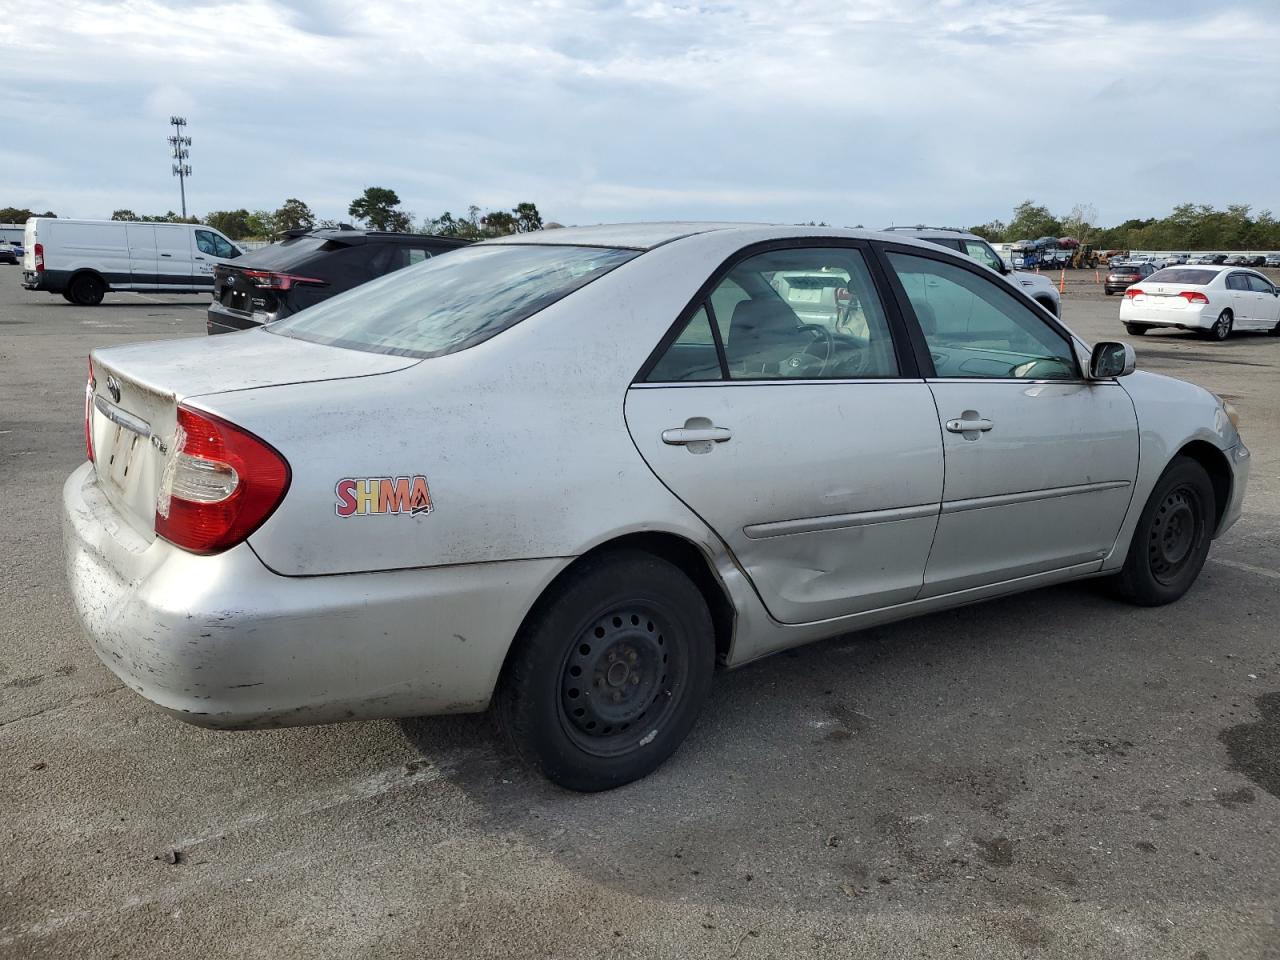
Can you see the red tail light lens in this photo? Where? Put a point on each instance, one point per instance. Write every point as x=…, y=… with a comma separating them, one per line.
x=220, y=484
x=1193, y=296
x=89, y=387
x=266, y=280
x=39, y=258
x=1134, y=292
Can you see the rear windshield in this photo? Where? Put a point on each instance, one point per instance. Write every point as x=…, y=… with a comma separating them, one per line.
x=450, y=303
x=292, y=252
x=1183, y=275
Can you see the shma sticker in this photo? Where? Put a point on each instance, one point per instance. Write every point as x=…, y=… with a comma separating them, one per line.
x=362, y=496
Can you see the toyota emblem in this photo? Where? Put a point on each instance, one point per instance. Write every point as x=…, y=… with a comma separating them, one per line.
x=113, y=388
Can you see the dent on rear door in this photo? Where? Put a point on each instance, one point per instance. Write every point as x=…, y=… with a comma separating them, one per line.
x=827, y=493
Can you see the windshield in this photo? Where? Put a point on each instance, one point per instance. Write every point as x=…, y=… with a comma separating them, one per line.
x=1183, y=275
x=451, y=302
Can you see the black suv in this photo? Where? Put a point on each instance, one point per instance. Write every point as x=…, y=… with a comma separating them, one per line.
x=308, y=267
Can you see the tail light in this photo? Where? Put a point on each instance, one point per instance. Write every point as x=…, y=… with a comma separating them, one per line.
x=89, y=387
x=39, y=258
x=220, y=484
x=1134, y=292
x=1193, y=296
x=266, y=280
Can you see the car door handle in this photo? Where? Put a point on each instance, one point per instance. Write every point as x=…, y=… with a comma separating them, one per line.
x=198, y=258
x=684, y=435
x=967, y=426
x=166, y=254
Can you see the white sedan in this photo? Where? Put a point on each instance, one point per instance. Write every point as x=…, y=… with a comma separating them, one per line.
x=1211, y=300
x=571, y=472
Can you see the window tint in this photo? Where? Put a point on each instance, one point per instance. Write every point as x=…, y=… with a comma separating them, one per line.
x=983, y=254
x=692, y=356
x=976, y=328
x=417, y=255
x=1237, y=281
x=1259, y=285
x=1184, y=275
x=223, y=248
x=205, y=241
x=450, y=303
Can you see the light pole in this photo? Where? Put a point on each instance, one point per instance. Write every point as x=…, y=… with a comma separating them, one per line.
x=181, y=169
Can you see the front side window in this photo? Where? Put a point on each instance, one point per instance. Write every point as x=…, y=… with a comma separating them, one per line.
x=1260, y=285
x=798, y=313
x=205, y=243
x=983, y=254
x=451, y=303
x=976, y=328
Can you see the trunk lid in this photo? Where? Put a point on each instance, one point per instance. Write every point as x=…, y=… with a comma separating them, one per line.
x=137, y=389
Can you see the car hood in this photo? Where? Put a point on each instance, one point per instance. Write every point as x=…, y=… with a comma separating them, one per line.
x=240, y=361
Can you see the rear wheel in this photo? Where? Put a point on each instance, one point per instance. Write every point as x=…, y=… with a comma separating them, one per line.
x=1172, y=538
x=1106, y=291
x=87, y=290
x=1134, y=330
x=609, y=673
x=1221, y=328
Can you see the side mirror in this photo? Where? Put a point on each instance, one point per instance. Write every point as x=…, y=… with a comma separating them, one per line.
x=1111, y=359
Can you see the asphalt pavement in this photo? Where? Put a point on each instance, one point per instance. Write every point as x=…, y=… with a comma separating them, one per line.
x=1049, y=775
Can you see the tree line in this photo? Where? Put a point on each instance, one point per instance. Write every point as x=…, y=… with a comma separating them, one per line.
x=378, y=208
x=1191, y=226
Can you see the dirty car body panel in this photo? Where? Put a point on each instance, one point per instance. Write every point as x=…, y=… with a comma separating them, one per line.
x=546, y=441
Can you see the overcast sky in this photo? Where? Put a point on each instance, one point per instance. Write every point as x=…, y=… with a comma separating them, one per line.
x=858, y=112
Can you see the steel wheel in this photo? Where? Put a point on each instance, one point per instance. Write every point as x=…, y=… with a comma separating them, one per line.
x=1176, y=529
x=621, y=680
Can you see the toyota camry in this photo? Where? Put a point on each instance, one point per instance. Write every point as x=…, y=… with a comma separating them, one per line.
x=568, y=474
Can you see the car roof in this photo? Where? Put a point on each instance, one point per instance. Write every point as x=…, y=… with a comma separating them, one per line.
x=933, y=233
x=634, y=236
x=357, y=237
x=647, y=236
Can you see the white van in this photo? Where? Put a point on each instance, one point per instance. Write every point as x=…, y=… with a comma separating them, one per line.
x=83, y=259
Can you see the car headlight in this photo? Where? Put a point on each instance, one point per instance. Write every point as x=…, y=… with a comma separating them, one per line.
x=1232, y=413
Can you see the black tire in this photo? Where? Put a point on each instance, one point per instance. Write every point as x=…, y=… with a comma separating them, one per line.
x=1106, y=291
x=1275, y=331
x=1134, y=330
x=66, y=295
x=1172, y=538
x=1221, y=328
x=609, y=672
x=87, y=290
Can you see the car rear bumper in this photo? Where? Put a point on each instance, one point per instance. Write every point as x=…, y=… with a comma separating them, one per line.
x=223, y=642
x=1147, y=314
x=1239, y=458
x=225, y=320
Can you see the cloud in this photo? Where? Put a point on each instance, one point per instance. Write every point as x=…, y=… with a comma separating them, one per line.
x=945, y=110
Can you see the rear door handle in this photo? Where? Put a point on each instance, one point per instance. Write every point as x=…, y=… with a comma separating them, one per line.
x=166, y=254
x=681, y=436
x=969, y=425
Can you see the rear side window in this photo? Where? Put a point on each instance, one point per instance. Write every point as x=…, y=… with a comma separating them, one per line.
x=451, y=303
x=1184, y=275
x=1237, y=281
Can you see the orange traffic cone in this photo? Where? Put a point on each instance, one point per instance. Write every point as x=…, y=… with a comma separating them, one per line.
x=1062, y=282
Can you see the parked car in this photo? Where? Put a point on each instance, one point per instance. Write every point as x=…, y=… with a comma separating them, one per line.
x=1213, y=301
x=1121, y=275
x=1273, y=260
x=1204, y=258
x=1172, y=260
x=1040, y=288
x=1236, y=260
x=10, y=253
x=309, y=267
x=83, y=259
x=570, y=472
x=1256, y=260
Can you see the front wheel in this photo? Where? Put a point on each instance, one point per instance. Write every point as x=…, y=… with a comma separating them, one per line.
x=609, y=673
x=1106, y=291
x=1221, y=328
x=1134, y=330
x=1172, y=538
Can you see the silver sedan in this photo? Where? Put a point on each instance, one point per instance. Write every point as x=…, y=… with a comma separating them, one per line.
x=569, y=473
